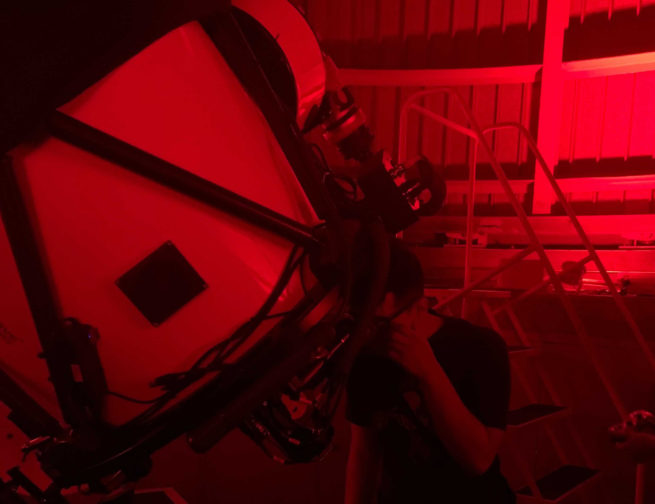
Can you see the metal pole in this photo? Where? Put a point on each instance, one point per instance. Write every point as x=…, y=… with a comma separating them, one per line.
x=539, y=249
x=26, y=413
x=167, y=174
x=470, y=215
x=618, y=300
x=40, y=298
x=536, y=245
x=511, y=262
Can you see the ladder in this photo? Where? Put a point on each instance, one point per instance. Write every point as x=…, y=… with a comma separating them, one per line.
x=568, y=478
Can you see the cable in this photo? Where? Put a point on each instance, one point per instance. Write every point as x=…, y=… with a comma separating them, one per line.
x=177, y=382
x=327, y=173
x=321, y=156
x=133, y=399
x=278, y=289
x=278, y=315
x=242, y=332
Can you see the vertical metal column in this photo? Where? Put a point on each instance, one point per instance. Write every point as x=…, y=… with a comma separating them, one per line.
x=550, y=99
x=40, y=298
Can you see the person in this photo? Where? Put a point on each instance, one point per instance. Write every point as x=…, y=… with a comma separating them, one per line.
x=427, y=403
x=635, y=436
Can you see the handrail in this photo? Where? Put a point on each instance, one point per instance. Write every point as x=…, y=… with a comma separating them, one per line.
x=473, y=127
x=641, y=340
x=470, y=204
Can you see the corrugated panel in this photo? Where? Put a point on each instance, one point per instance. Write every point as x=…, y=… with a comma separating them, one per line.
x=642, y=141
x=491, y=103
x=583, y=8
x=463, y=15
x=448, y=148
x=518, y=12
x=608, y=117
x=387, y=33
x=602, y=119
x=608, y=129
x=390, y=33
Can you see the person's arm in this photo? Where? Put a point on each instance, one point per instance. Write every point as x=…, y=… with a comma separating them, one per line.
x=364, y=466
x=640, y=446
x=472, y=444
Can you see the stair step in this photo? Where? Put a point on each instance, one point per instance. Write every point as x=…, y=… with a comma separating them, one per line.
x=532, y=413
x=561, y=482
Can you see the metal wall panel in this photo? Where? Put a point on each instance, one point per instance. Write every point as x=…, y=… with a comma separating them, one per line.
x=390, y=31
x=584, y=8
x=608, y=117
x=492, y=103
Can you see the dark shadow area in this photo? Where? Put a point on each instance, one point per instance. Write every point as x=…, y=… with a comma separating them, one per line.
x=598, y=36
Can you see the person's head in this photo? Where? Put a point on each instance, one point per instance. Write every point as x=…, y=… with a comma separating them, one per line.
x=403, y=286
x=404, y=289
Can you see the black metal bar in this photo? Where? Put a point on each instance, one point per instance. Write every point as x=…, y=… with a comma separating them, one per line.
x=28, y=415
x=145, y=164
x=228, y=38
x=36, y=284
x=8, y=495
x=282, y=350
x=18, y=478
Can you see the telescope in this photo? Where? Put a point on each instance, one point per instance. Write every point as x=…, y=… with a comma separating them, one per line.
x=177, y=257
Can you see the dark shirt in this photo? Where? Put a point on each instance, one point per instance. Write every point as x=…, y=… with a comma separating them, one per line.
x=417, y=468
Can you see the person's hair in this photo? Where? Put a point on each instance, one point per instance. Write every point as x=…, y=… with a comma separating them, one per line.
x=404, y=280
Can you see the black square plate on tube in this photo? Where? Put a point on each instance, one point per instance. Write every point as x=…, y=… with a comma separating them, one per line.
x=161, y=284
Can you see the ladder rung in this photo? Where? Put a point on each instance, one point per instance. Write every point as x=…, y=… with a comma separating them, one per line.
x=538, y=287
x=475, y=294
x=560, y=483
x=532, y=413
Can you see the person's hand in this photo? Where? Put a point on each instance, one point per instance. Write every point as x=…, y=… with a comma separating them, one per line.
x=411, y=350
x=636, y=436
x=640, y=446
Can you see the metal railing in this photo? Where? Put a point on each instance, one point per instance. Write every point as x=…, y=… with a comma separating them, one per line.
x=478, y=136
